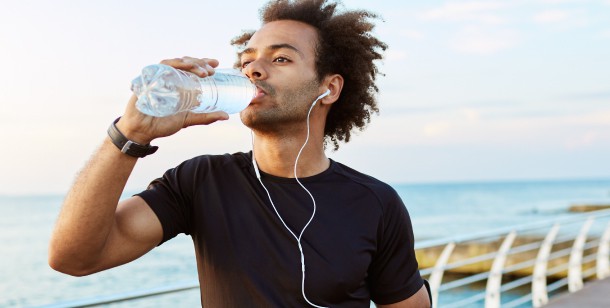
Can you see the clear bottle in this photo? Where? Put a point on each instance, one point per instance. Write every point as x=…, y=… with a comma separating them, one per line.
x=163, y=90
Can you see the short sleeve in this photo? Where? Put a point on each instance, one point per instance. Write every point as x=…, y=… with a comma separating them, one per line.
x=394, y=274
x=170, y=197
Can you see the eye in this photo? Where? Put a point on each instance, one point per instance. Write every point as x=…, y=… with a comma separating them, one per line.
x=281, y=60
x=244, y=64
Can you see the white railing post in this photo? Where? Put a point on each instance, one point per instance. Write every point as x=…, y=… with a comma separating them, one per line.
x=540, y=296
x=575, y=282
x=603, y=252
x=492, y=293
x=439, y=269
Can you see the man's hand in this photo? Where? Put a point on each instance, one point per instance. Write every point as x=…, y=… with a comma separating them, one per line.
x=92, y=233
x=142, y=128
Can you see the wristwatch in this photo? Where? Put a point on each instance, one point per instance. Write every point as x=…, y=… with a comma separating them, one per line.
x=127, y=146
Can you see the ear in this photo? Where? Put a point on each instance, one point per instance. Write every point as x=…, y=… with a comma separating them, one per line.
x=334, y=83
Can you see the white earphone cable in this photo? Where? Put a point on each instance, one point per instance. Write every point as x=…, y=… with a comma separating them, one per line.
x=298, y=238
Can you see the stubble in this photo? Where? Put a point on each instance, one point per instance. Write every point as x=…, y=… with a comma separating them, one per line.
x=287, y=109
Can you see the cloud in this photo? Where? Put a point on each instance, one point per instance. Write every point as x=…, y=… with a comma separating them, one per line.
x=465, y=108
x=560, y=1
x=586, y=130
x=412, y=34
x=584, y=140
x=598, y=118
x=476, y=40
x=395, y=55
x=451, y=122
x=605, y=34
x=479, y=11
x=564, y=19
x=551, y=16
x=603, y=95
x=471, y=114
x=436, y=129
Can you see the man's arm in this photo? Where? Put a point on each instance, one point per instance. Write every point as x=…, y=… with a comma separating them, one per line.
x=417, y=300
x=94, y=231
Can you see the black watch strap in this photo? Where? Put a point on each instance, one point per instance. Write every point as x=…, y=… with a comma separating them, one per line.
x=127, y=146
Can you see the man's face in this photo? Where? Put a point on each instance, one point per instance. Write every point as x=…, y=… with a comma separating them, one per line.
x=280, y=59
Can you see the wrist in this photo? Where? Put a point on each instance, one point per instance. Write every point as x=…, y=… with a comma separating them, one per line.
x=131, y=133
x=135, y=148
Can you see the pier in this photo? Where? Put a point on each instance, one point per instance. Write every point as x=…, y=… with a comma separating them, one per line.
x=594, y=294
x=521, y=266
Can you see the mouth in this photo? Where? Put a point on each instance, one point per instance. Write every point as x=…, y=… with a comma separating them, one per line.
x=259, y=93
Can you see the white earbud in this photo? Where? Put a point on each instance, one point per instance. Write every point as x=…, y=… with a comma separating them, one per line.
x=324, y=94
x=320, y=97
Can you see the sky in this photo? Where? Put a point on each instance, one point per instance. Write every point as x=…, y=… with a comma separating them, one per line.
x=473, y=90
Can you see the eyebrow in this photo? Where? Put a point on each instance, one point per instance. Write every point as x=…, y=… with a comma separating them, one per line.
x=273, y=47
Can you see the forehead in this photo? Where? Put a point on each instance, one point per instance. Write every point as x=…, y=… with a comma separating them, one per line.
x=300, y=35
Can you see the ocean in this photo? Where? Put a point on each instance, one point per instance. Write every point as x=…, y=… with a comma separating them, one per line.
x=436, y=209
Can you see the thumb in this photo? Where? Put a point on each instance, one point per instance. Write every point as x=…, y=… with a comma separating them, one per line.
x=204, y=118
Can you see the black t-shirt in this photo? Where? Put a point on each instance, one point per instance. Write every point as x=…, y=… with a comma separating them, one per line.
x=359, y=246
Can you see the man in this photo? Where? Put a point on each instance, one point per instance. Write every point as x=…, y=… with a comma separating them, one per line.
x=283, y=225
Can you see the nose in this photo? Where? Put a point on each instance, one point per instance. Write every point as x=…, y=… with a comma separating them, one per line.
x=255, y=70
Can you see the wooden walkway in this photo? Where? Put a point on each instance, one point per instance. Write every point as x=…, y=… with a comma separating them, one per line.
x=594, y=294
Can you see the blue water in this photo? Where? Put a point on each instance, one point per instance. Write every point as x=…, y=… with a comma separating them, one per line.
x=436, y=210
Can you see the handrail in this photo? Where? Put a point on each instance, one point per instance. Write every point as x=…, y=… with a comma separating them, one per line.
x=585, y=247
x=505, y=230
x=580, y=253
x=126, y=296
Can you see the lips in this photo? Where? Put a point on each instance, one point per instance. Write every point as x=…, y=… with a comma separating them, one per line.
x=259, y=92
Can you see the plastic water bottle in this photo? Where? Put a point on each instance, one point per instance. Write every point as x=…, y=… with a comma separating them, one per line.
x=163, y=90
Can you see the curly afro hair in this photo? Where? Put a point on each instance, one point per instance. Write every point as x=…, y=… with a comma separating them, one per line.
x=346, y=47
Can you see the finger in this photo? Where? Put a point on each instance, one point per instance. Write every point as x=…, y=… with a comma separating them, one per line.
x=202, y=61
x=186, y=65
x=205, y=118
x=212, y=62
x=201, y=71
x=201, y=67
x=205, y=65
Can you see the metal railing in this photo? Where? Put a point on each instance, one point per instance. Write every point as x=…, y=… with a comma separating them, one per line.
x=126, y=296
x=528, y=256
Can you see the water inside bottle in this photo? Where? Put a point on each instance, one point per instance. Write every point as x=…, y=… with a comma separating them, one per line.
x=227, y=90
x=163, y=91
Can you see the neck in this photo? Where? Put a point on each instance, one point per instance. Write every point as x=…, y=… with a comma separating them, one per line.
x=276, y=154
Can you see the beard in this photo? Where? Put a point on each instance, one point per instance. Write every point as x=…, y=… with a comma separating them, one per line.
x=286, y=110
